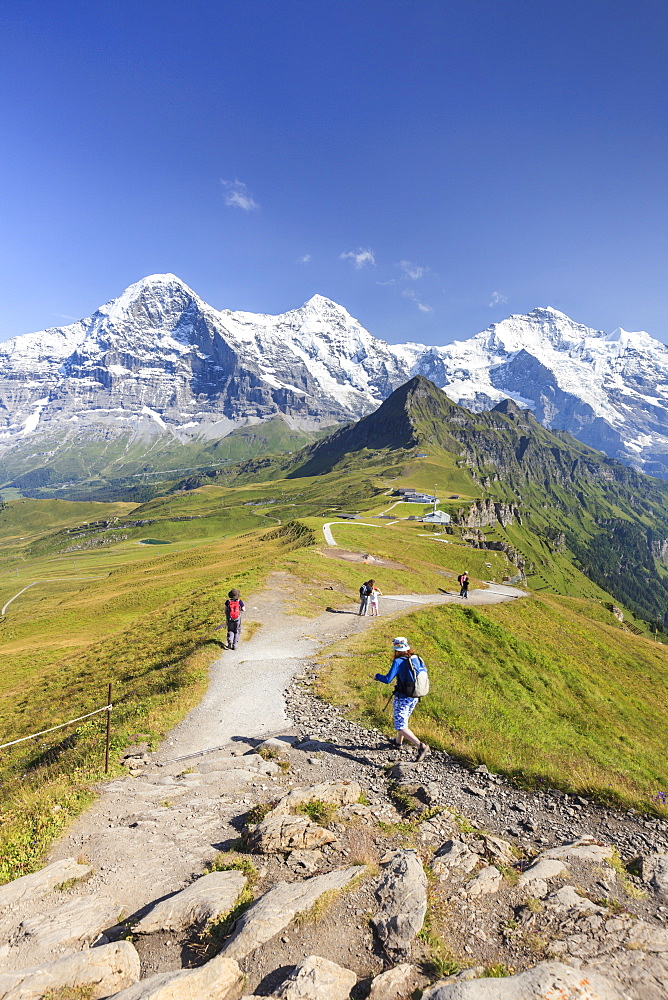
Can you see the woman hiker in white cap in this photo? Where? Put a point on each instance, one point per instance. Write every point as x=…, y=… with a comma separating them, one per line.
x=404, y=658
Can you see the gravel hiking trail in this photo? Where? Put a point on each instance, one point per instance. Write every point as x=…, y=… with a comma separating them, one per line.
x=147, y=833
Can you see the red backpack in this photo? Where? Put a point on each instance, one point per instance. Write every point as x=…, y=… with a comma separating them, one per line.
x=234, y=610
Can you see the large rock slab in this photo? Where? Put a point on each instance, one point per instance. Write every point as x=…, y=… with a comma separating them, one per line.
x=276, y=909
x=547, y=981
x=280, y=833
x=74, y=924
x=394, y=984
x=38, y=884
x=655, y=874
x=210, y=897
x=318, y=979
x=219, y=979
x=403, y=899
x=103, y=971
x=337, y=793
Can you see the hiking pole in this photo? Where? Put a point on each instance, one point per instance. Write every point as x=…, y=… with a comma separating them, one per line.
x=388, y=701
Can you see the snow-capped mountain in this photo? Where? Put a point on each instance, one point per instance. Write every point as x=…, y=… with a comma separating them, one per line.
x=158, y=362
x=608, y=390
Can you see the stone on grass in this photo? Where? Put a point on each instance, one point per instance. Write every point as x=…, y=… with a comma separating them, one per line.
x=487, y=881
x=277, y=834
x=336, y=793
x=543, y=870
x=546, y=981
x=207, y=899
x=75, y=924
x=104, y=970
x=655, y=873
x=219, y=979
x=318, y=979
x=395, y=983
x=402, y=895
x=276, y=909
x=38, y=884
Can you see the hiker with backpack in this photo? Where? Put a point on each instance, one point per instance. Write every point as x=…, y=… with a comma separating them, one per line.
x=365, y=594
x=412, y=683
x=463, y=581
x=234, y=607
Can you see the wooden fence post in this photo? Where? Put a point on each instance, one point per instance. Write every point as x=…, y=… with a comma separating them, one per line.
x=106, y=749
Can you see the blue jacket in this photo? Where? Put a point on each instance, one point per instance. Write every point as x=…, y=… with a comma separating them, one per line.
x=399, y=671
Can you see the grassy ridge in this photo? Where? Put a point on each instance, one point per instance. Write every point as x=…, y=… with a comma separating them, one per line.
x=539, y=690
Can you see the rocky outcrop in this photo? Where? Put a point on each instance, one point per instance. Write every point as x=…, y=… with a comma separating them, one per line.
x=278, y=907
x=219, y=979
x=402, y=896
x=278, y=834
x=40, y=883
x=72, y=925
x=484, y=513
x=97, y=971
x=655, y=874
x=394, y=984
x=336, y=793
x=318, y=979
x=545, y=981
x=207, y=899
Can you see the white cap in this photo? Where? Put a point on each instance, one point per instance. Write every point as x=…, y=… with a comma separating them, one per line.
x=400, y=644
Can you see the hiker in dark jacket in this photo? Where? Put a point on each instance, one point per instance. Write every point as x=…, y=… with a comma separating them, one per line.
x=234, y=607
x=464, y=585
x=365, y=594
x=403, y=705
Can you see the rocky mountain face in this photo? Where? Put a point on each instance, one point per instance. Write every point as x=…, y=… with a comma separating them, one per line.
x=159, y=364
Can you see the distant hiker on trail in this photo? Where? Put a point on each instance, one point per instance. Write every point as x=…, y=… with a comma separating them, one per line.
x=373, y=597
x=463, y=581
x=365, y=594
x=234, y=607
x=412, y=683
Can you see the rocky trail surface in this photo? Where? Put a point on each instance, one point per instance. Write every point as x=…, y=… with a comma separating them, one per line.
x=340, y=867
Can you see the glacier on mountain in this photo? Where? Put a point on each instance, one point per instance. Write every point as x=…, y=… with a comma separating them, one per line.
x=159, y=360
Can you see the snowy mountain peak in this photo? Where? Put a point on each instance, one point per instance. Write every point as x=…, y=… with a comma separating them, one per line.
x=158, y=359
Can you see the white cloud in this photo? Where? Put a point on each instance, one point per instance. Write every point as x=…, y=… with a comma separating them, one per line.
x=238, y=196
x=498, y=298
x=360, y=258
x=408, y=293
x=65, y=316
x=412, y=271
x=306, y=259
x=392, y=281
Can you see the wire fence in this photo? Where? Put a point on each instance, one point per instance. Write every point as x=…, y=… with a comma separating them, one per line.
x=71, y=722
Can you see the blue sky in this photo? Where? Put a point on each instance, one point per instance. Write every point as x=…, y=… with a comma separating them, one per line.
x=432, y=166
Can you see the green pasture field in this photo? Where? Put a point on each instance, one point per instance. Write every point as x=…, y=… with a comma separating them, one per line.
x=546, y=690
